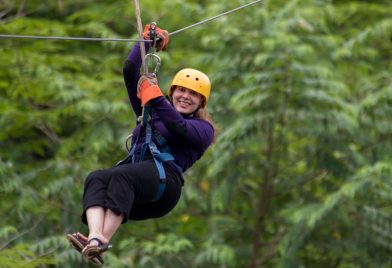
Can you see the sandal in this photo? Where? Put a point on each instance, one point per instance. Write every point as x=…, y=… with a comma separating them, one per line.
x=79, y=244
x=92, y=251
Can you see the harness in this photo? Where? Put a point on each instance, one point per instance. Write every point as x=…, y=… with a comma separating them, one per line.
x=159, y=149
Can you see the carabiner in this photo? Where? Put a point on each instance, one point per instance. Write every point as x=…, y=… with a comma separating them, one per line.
x=147, y=59
x=151, y=55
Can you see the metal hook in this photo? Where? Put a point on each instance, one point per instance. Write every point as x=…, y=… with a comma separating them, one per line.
x=147, y=58
x=127, y=140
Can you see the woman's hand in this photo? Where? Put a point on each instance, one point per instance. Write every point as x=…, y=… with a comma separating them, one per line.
x=163, y=36
x=147, y=88
x=145, y=81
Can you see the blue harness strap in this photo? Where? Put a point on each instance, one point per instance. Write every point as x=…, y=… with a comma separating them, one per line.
x=159, y=151
x=159, y=158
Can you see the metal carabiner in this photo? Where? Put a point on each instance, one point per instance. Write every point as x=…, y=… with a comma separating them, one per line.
x=147, y=58
x=127, y=140
x=151, y=55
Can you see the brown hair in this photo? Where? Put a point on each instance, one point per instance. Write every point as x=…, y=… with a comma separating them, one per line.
x=202, y=113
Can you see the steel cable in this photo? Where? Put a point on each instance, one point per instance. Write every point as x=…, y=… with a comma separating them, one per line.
x=71, y=38
x=215, y=17
x=121, y=39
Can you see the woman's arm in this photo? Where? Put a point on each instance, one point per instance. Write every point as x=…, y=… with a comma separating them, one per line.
x=195, y=132
x=133, y=63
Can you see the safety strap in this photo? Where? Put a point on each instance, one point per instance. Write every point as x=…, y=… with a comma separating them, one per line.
x=159, y=158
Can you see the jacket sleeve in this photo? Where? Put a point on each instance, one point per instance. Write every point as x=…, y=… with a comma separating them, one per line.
x=131, y=72
x=195, y=132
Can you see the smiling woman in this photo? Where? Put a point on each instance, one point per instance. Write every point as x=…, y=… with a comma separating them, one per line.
x=194, y=80
x=189, y=93
x=186, y=101
x=148, y=182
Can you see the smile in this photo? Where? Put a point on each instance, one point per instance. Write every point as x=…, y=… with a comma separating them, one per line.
x=185, y=103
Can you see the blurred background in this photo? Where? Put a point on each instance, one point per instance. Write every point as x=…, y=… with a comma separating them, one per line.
x=300, y=175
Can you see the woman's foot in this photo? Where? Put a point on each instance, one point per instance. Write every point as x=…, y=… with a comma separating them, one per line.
x=95, y=239
x=78, y=241
x=81, y=237
x=95, y=247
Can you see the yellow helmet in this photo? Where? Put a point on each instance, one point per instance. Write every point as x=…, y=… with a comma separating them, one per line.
x=194, y=80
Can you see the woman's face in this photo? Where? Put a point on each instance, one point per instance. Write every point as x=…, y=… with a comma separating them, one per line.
x=186, y=101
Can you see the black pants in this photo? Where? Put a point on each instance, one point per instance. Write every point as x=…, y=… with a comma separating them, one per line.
x=129, y=189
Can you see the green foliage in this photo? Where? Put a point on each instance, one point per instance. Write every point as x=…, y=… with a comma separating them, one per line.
x=299, y=176
x=216, y=256
x=22, y=256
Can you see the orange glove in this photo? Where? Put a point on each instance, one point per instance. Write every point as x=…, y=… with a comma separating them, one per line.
x=163, y=36
x=147, y=88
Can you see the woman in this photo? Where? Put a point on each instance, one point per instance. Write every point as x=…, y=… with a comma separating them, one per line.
x=132, y=190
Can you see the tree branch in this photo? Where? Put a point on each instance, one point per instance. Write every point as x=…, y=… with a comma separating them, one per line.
x=35, y=224
x=20, y=13
x=50, y=133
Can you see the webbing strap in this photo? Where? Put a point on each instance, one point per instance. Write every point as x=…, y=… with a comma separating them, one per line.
x=132, y=152
x=145, y=115
x=159, y=158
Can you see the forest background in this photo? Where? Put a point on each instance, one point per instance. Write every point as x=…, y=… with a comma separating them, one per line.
x=300, y=175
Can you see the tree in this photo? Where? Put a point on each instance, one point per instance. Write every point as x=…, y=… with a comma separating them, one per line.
x=295, y=135
x=299, y=175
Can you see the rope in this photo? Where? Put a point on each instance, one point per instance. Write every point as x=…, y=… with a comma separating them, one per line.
x=145, y=111
x=128, y=40
x=71, y=38
x=215, y=17
x=139, y=30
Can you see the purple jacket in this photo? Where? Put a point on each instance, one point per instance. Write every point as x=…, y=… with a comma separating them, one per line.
x=187, y=137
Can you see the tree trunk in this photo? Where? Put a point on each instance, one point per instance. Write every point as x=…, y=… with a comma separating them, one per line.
x=263, y=201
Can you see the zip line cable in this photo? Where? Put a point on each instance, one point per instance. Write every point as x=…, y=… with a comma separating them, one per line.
x=71, y=38
x=215, y=17
x=121, y=39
